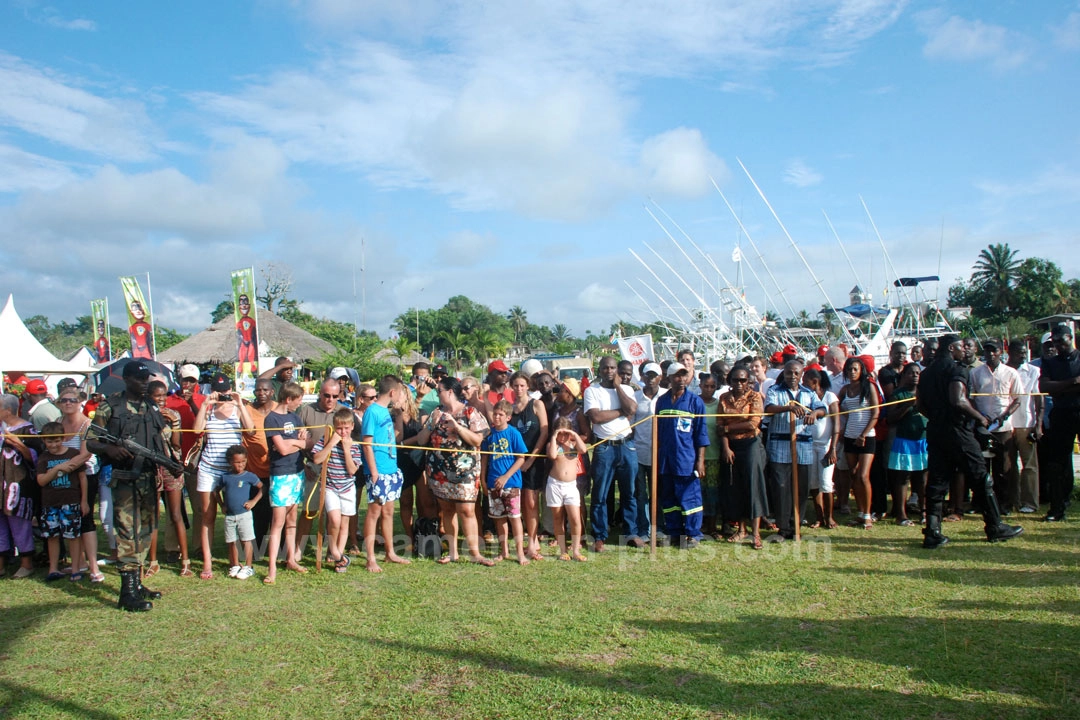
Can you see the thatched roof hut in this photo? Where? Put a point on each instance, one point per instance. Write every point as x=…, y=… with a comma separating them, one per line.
x=217, y=344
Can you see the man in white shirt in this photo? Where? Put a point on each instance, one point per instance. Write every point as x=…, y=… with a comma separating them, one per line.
x=646, y=399
x=1026, y=428
x=609, y=405
x=996, y=392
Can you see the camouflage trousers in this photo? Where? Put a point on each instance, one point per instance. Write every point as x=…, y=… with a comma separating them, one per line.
x=135, y=517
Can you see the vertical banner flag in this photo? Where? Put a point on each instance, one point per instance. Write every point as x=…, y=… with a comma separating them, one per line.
x=99, y=316
x=637, y=349
x=140, y=328
x=247, y=334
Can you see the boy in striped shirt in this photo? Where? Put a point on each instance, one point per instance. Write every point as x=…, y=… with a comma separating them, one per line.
x=343, y=458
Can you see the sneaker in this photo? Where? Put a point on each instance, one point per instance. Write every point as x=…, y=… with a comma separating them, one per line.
x=933, y=542
x=234, y=571
x=692, y=543
x=245, y=572
x=1028, y=509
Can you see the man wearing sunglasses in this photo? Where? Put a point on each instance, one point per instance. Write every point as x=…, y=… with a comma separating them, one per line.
x=316, y=416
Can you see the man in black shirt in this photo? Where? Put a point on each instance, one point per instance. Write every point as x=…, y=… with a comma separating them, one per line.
x=950, y=435
x=1061, y=379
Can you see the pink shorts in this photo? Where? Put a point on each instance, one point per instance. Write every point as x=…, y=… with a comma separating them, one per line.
x=505, y=503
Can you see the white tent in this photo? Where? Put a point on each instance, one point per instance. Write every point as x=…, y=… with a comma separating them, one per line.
x=21, y=352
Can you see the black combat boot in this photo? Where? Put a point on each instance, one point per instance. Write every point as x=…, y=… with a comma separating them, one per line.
x=996, y=531
x=144, y=592
x=932, y=537
x=130, y=598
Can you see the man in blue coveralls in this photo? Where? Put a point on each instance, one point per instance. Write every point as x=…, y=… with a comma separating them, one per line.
x=682, y=437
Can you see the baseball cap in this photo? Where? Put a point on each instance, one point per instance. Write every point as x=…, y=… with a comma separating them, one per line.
x=36, y=387
x=497, y=366
x=531, y=366
x=777, y=357
x=991, y=343
x=790, y=349
x=439, y=369
x=651, y=367
x=66, y=383
x=675, y=369
x=823, y=349
x=1061, y=330
x=220, y=383
x=1045, y=339
x=573, y=386
x=338, y=372
x=136, y=369
x=189, y=371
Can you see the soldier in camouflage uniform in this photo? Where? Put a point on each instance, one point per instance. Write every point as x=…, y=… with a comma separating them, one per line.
x=131, y=414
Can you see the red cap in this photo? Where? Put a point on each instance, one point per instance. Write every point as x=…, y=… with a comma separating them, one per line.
x=868, y=362
x=822, y=350
x=498, y=366
x=777, y=357
x=813, y=366
x=36, y=387
x=790, y=349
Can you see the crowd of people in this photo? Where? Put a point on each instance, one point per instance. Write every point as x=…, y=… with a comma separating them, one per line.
x=760, y=445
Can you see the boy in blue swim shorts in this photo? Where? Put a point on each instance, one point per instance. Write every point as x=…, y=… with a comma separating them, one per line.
x=384, y=479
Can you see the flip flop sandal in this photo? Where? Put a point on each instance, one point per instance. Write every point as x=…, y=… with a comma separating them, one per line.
x=153, y=569
x=186, y=570
x=581, y=558
x=343, y=564
x=565, y=557
x=268, y=580
x=97, y=577
x=444, y=560
x=757, y=542
x=75, y=577
x=54, y=576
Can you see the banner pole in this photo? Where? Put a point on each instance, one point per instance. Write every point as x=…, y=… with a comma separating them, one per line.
x=652, y=479
x=795, y=480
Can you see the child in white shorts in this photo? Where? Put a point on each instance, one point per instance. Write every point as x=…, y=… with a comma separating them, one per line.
x=564, y=448
x=343, y=458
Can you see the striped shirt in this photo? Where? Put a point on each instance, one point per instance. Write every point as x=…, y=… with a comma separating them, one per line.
x=221, y=434
x=338, y=476
x=859, y=419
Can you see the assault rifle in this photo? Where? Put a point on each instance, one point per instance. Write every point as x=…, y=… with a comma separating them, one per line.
x=100, y=434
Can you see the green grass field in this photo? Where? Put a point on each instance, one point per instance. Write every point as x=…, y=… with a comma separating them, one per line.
x=849, y=623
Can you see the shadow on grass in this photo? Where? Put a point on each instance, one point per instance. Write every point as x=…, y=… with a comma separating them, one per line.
x=685, y=686
x=986, y=577
x=1064, y=551
x=19, y=700
x=1057, y=606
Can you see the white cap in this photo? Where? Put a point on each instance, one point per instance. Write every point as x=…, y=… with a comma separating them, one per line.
x=189, y=371
x=676, y=368
x=651, y=367
x=338, y=372
x=1045, y=339
x=531, y=366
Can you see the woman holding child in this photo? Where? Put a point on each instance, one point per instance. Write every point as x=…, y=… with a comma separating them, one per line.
x=454, y=431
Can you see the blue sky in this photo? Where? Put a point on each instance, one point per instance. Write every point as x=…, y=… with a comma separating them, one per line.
x=507, y=151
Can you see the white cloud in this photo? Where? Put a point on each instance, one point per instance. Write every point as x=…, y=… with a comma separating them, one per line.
x=527, y=107
x=679, y=162
x=21, y=170
x=465, y=249
x=1067, y=35
x=801, y=175
x=75, y=24
x=42, y=103
x=962, y=40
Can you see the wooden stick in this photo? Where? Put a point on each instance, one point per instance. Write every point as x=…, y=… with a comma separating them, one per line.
x=653, y=479
x=322, y=503
x=795, y=480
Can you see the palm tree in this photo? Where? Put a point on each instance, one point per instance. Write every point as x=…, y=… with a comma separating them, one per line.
x=485, y=344
x=560, y=333
x=518, y=321
x=402, y=347
x=457, y=341
x=996, y=271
